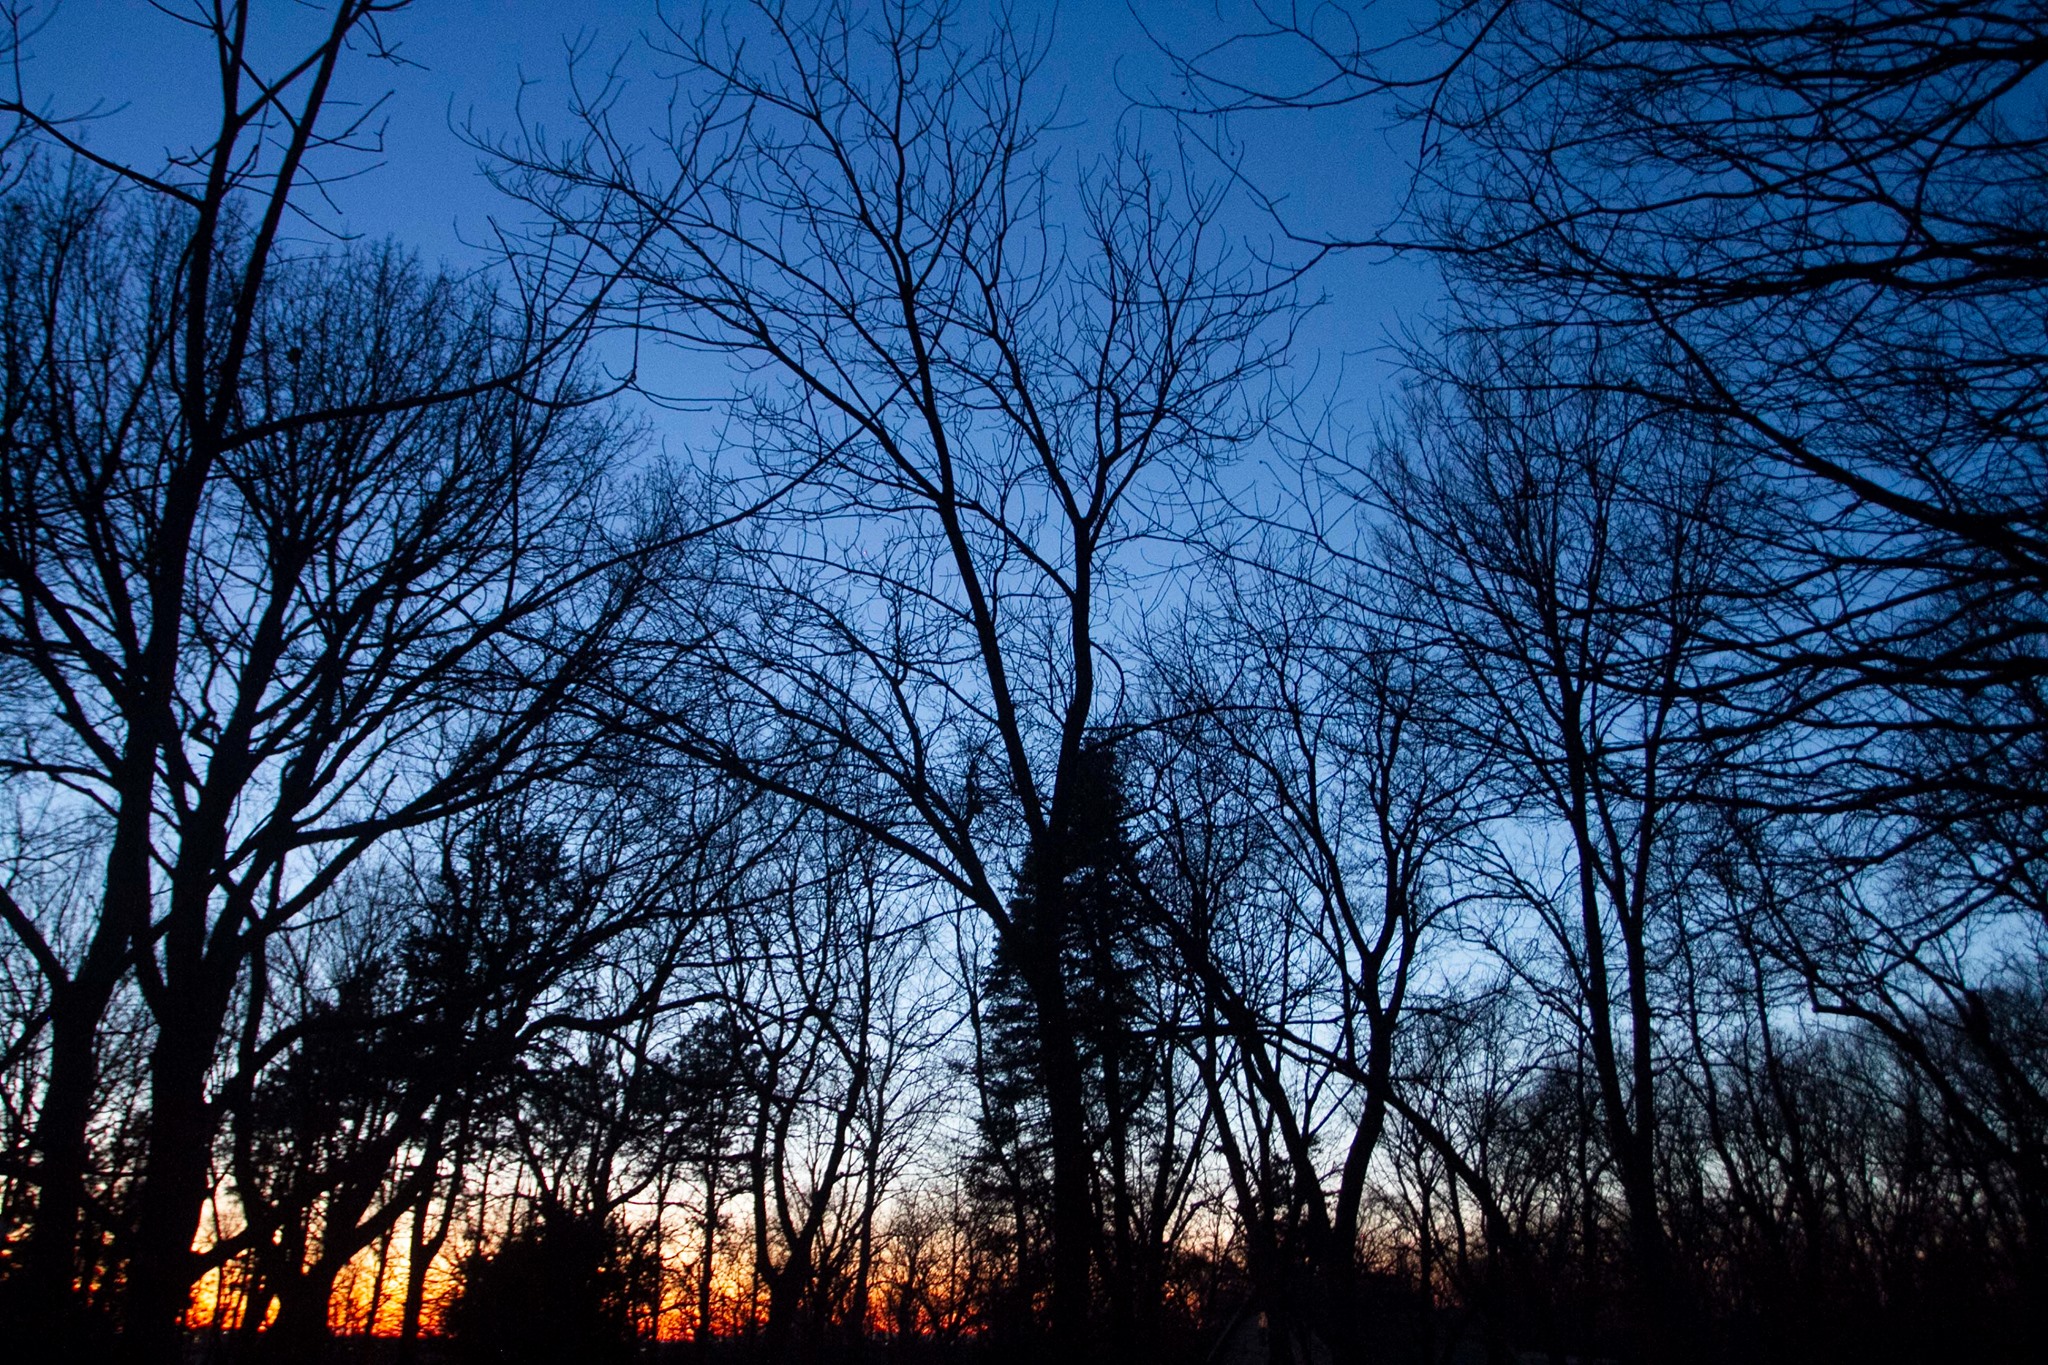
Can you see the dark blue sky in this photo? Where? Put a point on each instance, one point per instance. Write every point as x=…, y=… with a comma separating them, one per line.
x=465, y=61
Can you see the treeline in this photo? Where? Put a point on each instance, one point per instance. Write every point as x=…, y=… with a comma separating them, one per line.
x=1037, y=835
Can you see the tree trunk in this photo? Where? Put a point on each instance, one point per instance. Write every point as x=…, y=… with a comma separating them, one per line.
x=415, y=1274
x=704, y=1267
x=44, y=1289
x=1073, y=1213
x=1119, y=1268
x=300, y=1332
x=174, y=1185
x=421, y=1249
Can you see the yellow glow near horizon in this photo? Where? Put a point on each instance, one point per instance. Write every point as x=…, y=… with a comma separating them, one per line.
x=368, y=1298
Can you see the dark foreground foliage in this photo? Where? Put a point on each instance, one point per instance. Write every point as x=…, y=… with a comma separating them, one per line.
x=1044, y=847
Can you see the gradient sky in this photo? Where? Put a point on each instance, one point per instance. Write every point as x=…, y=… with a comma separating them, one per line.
x=465, y=61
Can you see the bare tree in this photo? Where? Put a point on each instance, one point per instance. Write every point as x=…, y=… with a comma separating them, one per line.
x=857, y=212
x=1576, y=564
x=536, y=967
x=1327, y=739
x=1823, y=230
x=1818, y=229
x=298, y=550
x=818, y=980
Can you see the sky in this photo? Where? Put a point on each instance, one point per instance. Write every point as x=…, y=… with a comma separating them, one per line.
x=481, y=63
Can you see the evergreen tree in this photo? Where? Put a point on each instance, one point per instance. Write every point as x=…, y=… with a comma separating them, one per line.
x=1075, y=909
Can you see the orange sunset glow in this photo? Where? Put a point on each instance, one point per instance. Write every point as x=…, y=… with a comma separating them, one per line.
x=1023, y=682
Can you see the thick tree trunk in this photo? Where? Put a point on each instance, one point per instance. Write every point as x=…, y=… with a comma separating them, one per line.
x=1073, y=1204
x=300, y=1332
x=43, y=1290
x=416, y=1256
x=864, y=1256
x=421, y=1246
x=173, y=1189
x=791, y=1333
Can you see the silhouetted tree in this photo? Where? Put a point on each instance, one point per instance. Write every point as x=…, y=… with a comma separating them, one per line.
x=562, y=1286
x=855, y=211
x=256, y=500
x=1077, y=889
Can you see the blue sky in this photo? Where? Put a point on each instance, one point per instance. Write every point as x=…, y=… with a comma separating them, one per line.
x=465, y=61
